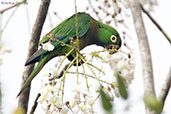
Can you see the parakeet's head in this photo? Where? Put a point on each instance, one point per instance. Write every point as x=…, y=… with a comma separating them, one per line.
x=109, y=37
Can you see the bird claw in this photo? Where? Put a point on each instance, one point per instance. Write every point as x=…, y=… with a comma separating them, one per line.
x=80, y=61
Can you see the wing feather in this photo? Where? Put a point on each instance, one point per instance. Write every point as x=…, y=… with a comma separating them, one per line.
x=67, y=28
x=62, y=32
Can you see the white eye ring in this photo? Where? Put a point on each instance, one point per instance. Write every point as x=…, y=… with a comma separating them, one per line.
x=113, y=38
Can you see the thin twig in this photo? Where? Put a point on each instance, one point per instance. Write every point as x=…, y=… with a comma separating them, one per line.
x=35, y=104
x=155, y=22
x=33, y=46
x=165, y=88
x=56, y=73
x=91, y=69
x=57, y=15
x=7, y=21
x=77, y=39
x=94, y=10
x=90, y=77
x=64, y=76
x=8, y=8
x=61, y=73
x=96, y=68
x=84, y=72
x=64, y=69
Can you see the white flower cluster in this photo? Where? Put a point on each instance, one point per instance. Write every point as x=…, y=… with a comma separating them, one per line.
x=3, y=50
x=81, y=100
x=123, y=63
x=111, y=91
x=48, y=46
x=50, y=101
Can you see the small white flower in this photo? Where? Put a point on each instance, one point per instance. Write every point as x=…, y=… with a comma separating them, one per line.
x=52, y=108
x=109, y=93
x=77, y=109
x=76, y=98
x=91, y=102
x=59, y=103
x=89, y=110
x=47, y=112
x=83, y=107
x=90, y=99
x=121, y=65
x=73, y=103
x=52, y=99
x=64, y=110
x=48, y=46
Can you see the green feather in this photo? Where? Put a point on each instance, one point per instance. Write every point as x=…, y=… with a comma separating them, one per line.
x=67, y=27
x=40, y=65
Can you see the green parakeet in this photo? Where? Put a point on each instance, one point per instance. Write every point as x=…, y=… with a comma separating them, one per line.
x=90, y=31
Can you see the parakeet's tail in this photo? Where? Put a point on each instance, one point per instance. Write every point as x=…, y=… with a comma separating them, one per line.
x=35, y=57
x=39, y=66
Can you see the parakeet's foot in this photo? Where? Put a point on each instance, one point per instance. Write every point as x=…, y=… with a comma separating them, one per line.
x=80, y=61
x=70, y=58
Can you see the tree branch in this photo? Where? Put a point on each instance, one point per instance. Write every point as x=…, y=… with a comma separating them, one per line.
x=35, y=104
x=166, y=87
x=144, y=50
x=155, y=22
x=15, y=5
x=61, y=73
x=33, y=46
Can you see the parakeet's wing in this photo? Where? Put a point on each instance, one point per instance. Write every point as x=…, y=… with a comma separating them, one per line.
x=63, y=32
x=67, y=28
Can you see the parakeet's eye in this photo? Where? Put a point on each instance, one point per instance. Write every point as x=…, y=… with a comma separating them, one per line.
x=113, y=38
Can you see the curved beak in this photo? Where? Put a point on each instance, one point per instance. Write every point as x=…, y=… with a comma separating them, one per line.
x=113, y=48
x=119, y=44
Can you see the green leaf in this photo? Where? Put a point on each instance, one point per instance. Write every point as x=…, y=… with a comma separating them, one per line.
x=107, y=105
x=152, y=102
x=121, y=86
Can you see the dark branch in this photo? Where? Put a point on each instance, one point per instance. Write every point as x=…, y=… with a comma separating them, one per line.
x=61, y=73
x=155, y=22
x=33, y=46
x=166, y=87
x=15, y=5
x=35, y=104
